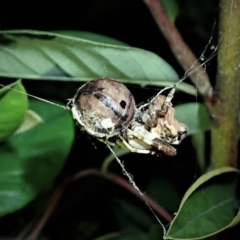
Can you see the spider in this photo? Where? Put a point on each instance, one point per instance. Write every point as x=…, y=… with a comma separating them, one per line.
x=106, y=109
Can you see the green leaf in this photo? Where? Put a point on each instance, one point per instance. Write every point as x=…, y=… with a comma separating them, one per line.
x=110, y=158
x=195, y=115
x=31, y=160
x=156, y=233
x=164, y=193
x=31, y=120
x=129, y=235
x=13, y=106
x=76, y=58
x=171, y=7
x=43, y=55
x=86, y=229
x=199, y=143
x=128, y=214
x=91, y=37
x=208, y=207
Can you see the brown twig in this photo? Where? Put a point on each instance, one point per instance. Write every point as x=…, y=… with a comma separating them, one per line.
x=122, y=182
x=47, y=213
x=125, y=184
x=180, y=49
x=112, y=177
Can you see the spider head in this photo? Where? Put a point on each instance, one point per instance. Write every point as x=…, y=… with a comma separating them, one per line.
x=169, y=129
x=181, y=134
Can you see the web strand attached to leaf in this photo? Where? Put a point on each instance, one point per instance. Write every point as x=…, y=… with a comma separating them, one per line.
x=38, y=98
x=130, y=179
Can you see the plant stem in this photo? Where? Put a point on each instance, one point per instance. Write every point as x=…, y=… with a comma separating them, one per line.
x=224, y=131
x=47, y=213
x=180, y=49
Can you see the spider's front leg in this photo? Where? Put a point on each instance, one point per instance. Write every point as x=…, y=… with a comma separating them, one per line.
x=157, y=108
x=149, y=117
x=155, y=143
x=138, y=139
x=164, y=147
x=133, y=141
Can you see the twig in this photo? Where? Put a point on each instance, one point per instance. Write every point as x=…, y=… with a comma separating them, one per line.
x=180, y=49
x=224, y=135
x=125, y=184
x=122, y=182
x=48, y=211
x=111, y=177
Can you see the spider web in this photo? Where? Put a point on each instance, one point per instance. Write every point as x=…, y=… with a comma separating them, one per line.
x=204, y=58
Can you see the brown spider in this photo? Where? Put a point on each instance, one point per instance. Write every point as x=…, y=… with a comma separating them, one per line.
x=106, y=109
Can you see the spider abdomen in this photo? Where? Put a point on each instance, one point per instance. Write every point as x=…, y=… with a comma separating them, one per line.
x=104, y=106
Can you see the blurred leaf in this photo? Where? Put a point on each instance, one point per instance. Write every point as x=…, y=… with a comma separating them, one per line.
x=198, y=14
x=31, y=160
x=43, y=55
x=131, y=216
x=208, y=207
x=86, y=229
x=126, y=235
x=13, y=107
x=171, y=7
x=198, y=141
x=31, y=120
x=110, y=158
x=91, y=37
x=164, y=193
x=195, y=115
x=235, y=221
x=156, y=233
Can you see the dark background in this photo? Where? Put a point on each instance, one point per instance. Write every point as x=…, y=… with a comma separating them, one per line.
x=129, y=21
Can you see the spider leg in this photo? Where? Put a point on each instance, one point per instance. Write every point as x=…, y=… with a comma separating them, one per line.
x=141, y=133
x=146, y=137
x=170, y=96
x=167, y=102
x=164, y=147
x=133, y=149
x=149, y=118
